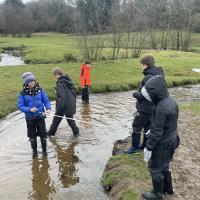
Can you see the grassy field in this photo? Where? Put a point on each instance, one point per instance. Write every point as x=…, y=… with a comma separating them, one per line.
x=43, y=48
x=48, y=48
x=107, y=76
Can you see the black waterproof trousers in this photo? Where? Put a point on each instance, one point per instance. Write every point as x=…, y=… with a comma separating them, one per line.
x=56, y=123
x=159, y=165
x=37, y=127
x=141, y=121
x=85, y=94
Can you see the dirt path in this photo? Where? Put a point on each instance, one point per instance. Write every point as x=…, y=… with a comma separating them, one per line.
x=186, y=165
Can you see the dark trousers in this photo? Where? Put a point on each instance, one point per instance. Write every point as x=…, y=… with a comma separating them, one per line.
x=85, y=94
x=56, y=123
x=159, y=166
x=141, y=121
x=36, y=127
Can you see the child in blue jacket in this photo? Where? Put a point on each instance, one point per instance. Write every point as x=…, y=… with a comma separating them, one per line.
x=32, y=101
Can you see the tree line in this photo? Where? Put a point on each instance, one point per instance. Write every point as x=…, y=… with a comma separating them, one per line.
x=167, y=24
x=134, y=25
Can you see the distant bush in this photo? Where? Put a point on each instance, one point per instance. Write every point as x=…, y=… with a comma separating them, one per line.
x=70, y=57
x=103, y=58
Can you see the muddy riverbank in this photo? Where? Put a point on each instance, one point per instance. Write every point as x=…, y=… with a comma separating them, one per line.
x=126, y=176
x=74, y=166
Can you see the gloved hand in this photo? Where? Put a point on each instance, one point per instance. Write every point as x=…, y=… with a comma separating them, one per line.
x=147, y=155
x=138, y=96
x=147, y=133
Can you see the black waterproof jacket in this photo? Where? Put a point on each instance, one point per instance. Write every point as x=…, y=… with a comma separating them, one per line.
x=142, y=105
x=65, y=96
x=164, y=124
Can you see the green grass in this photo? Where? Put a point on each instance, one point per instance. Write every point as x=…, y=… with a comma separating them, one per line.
x=194, y=107
x=108, y=180
x=46, y=48
x=128, y=194
x=130, y=170
x=107, y=76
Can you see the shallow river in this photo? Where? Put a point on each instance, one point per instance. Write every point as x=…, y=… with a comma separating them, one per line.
x=74, y=166
x=11, y=58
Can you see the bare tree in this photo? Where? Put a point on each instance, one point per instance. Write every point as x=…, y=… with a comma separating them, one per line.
x=182, y=17
x=89, y=43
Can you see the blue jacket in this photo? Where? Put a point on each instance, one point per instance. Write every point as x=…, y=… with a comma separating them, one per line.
x=26, y=102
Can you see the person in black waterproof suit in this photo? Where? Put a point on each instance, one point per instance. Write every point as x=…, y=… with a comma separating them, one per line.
x=144, y=108
x=65, y=102
x=163, y=138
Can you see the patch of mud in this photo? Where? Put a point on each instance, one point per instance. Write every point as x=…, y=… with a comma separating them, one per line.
x=185, y=165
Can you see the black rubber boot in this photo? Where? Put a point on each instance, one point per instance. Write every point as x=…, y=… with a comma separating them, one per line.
x=168, y=188
x=34, y=147
x=44, y=146
x=76, y=132
x=143, y=145
x=157, y=193
x=135, y=144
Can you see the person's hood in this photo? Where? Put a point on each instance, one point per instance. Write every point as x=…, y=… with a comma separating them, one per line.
x=67, y=81
x=155, y=89
x=153, y=71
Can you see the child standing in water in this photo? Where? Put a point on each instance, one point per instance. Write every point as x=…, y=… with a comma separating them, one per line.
x=85, y=80
x=32, y=101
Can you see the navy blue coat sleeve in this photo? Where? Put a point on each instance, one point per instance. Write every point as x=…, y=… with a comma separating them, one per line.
x=157, y=129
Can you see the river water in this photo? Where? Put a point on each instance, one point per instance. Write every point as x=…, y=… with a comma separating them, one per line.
x=74, y=166
x=9, y=58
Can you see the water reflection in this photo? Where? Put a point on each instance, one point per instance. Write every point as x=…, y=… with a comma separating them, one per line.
x=86, y=114
x=66, y=163
x=42, y=185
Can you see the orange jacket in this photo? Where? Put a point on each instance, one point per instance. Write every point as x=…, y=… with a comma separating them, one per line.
x=85, y=75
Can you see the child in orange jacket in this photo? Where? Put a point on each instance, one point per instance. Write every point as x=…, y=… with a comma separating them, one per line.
x=85, y=80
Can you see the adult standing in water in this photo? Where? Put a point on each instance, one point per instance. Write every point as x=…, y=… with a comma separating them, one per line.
x=85, y=80
x=32, y=101
x=65, y=102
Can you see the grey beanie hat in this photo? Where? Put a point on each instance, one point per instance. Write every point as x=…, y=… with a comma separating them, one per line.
x=28, y=77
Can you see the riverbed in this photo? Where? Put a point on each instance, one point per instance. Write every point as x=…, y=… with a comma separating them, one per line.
x=74, y=166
